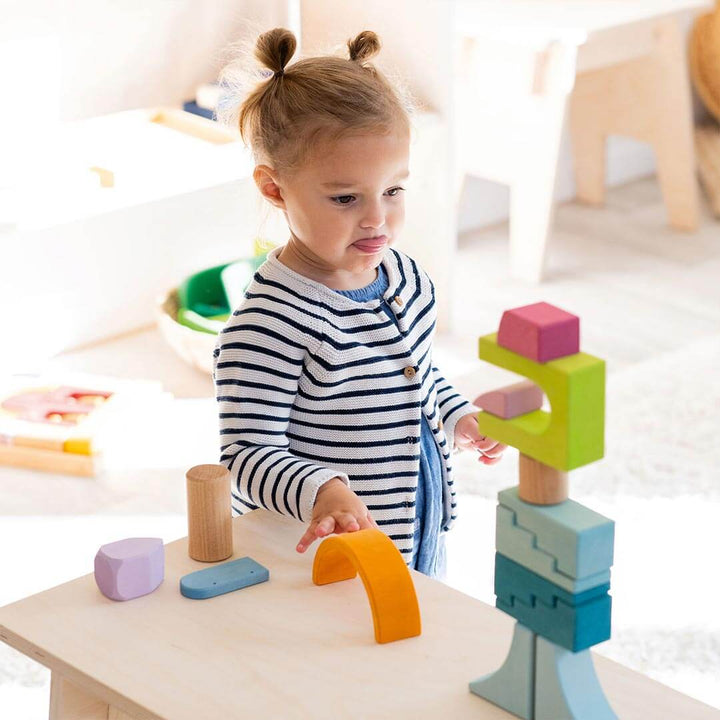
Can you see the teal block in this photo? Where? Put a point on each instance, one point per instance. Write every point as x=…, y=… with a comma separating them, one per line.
x=224, y=578
x=520, y=545
x=574, y=621
x=566, y=686
x=580, y=539
x=512, y=686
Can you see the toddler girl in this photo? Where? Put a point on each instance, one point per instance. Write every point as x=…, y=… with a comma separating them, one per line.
x=331, y=409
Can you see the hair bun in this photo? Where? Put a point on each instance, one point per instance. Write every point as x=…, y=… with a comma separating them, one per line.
x=275, y=47
x=364, y=46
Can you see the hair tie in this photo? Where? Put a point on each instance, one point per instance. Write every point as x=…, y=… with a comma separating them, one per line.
x=279, y=73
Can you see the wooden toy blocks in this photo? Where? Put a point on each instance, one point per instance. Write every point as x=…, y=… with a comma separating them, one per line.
x=540, y=332
x=512, y=400
x=224, y=578
x=572, y=433
x=387, y=580
x=209, y=513
x=126, y=569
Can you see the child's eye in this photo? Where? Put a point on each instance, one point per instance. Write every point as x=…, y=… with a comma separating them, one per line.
x=341, y=199
x=348, y=199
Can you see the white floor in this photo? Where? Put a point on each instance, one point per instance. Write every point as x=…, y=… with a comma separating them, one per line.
x=641, y=290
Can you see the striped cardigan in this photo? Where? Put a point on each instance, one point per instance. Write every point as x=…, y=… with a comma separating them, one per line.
x=313, y=385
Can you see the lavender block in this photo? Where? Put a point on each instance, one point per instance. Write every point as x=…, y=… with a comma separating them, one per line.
x=129, y=568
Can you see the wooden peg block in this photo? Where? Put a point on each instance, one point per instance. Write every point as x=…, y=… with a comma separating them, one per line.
x=541, y=484
x=512, y=400
x=209, y=513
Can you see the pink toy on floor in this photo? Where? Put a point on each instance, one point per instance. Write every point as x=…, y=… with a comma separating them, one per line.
x=129, y=568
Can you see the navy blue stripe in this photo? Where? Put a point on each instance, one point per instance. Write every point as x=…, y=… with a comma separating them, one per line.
x=359, y=444
x=322, y=318
x=357, y=461
x=260, y=368
x=385, y=491
x=340, y=313
x=360, y=410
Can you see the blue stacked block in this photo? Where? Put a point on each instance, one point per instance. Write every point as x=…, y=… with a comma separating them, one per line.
x=552, y=569
x=575, y=621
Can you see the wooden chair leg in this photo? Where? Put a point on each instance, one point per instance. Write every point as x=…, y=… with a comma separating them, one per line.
x=674, y=129
x=589, y=153
x=532, y=198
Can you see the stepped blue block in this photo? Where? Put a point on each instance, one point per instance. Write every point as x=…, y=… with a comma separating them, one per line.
x=566, y=686
x=575, y=621
x=512, y=686
x=580, y=540
x=519, y=544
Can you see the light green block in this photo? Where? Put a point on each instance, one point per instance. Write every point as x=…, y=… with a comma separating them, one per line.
x=521, y=545
x=572, y=434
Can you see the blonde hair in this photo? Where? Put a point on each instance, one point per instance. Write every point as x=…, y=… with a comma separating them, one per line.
x=297, y=106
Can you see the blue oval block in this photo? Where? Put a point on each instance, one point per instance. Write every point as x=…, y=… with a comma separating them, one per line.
x=224, y=578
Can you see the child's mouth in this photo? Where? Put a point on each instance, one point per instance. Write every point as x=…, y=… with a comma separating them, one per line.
x=371, y=245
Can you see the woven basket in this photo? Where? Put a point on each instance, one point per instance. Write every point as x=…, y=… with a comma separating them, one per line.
x=705, y=59
x=195, y=347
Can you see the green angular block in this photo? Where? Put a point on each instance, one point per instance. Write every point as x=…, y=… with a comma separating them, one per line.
x=572, y=434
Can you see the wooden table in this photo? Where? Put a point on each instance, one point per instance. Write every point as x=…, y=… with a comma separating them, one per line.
x=285, y=648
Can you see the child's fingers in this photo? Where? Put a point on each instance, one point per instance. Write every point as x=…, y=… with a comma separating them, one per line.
x=485, y=444
x=316, y=529
x=495, y=452
x=346, y=522
x=367, y=522
x=326, y=526
x=307, y=539
x=485, y=460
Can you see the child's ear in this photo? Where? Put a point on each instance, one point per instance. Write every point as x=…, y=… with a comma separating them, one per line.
x=266, y=181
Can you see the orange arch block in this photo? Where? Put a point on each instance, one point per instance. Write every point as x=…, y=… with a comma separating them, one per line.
x=387, y=580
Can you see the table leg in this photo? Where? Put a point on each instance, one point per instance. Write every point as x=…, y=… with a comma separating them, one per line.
x=69, y=702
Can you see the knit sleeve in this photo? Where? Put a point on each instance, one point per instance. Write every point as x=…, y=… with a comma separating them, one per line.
x=258, y=362
x=452, y=404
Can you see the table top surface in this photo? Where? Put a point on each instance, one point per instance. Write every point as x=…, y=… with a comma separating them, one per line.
x=285, y=648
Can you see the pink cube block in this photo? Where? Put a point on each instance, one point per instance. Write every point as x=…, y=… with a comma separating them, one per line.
x=129, y=568
x=541, y=332
x=512, y=400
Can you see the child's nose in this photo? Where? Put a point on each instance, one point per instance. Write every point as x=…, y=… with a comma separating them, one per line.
x=374, y=216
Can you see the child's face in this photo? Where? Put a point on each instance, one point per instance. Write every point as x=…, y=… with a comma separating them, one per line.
x=333, y=222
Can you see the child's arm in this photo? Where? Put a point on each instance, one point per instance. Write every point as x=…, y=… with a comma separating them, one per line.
x=257, y=365
x=459, y=418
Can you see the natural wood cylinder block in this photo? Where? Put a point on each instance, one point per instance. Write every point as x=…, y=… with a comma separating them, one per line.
x=541, y=484
x=209, y=513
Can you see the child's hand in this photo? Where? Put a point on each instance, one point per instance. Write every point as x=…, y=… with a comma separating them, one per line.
x=468, y=437
x=337, y=510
